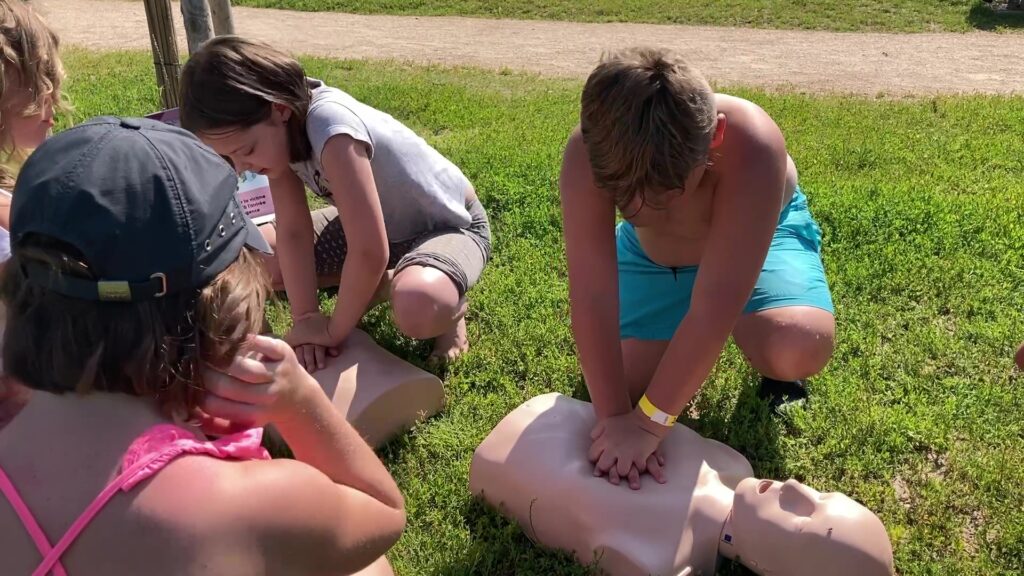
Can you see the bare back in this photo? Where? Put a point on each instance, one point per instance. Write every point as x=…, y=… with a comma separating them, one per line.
x=198, y=516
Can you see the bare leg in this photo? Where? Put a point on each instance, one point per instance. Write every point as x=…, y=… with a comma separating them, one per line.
x=425, y=304
x=273, y=269
x=640, y=359
x=787, y=344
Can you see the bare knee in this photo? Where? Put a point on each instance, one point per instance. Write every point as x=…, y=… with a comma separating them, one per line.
x=424, y=302
x=788, y=344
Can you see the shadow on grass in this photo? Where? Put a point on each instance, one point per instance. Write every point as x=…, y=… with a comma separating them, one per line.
x=751, y=429
x=983, y=17
x=500, y=548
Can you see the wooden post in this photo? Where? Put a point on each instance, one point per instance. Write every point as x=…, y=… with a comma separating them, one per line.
x=196, y=15
x=165, y=50
x=223, y=23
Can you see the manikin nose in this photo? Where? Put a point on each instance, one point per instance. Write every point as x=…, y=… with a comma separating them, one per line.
x=798, y=498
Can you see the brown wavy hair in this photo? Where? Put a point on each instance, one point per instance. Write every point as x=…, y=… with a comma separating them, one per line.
x=231, y=83
x=647, y=119
x=153, y=349
x=29, y=59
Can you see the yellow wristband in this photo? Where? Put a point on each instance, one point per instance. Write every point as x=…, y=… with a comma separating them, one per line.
x=656, y=415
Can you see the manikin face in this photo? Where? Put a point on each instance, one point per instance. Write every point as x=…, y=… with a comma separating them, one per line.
x=261, y=149
x=787, y=528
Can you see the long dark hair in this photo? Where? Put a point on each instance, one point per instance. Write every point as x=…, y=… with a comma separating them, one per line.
x=232, y=82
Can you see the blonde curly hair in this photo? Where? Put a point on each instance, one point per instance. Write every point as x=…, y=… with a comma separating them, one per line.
x=29, y=59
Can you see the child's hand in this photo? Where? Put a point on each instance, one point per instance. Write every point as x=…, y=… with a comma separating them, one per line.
x=263, y=384
x=624, y=447
x=311, y=337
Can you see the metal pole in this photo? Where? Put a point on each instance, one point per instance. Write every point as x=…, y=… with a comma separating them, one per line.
x=196, y=15
x=223, y=23
x=165, y=50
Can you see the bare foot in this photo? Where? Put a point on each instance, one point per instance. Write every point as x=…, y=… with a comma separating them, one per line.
x=451, y=344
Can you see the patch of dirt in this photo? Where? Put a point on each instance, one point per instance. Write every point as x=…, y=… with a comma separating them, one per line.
x=969, y=533
x=874, y=64
x=938, y=464
x=902, y=492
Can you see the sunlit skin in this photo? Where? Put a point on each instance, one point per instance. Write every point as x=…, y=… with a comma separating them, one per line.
x=724, y=221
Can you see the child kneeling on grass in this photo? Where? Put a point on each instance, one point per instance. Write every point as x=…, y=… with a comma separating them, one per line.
x=717, y=239
x=405, y=223
x=133, y=295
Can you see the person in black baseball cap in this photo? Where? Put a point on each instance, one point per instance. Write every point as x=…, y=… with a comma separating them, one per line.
x=133, y=294
x=151, y=210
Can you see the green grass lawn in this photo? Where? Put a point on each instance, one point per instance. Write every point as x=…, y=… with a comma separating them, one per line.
x=919, y=414
x=860, y=15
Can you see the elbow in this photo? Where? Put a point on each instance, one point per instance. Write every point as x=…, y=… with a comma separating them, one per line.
x=352, y=559
x=394, y=529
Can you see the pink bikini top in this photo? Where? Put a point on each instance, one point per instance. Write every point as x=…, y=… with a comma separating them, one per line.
x=150, y=452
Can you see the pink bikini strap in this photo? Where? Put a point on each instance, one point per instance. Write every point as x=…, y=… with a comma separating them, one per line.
x=29, y=521
x=51, y=559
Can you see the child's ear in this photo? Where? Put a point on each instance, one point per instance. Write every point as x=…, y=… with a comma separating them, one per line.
x=280, y=112
x=719, y=136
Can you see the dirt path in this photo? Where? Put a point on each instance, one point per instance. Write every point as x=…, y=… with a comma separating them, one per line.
x=893, y=64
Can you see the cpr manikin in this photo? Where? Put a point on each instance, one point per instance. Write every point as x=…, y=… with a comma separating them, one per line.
x=533, y=467
x=379, y=568
x=380, y=394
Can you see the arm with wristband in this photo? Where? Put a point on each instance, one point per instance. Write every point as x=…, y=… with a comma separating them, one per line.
x=751, y=179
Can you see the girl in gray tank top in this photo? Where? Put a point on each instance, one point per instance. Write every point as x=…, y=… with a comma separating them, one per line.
x=403, y=223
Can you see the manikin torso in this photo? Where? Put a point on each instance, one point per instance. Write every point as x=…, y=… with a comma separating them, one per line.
x=380, y=394
x=661, y=530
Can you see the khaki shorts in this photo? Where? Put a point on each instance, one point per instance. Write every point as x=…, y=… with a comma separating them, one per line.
x=461, y=253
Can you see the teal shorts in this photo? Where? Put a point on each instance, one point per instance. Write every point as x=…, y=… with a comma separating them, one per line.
x=653, y=299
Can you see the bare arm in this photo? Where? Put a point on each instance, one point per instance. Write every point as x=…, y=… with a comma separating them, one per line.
x=347, y=166
x=334, y=510
x=746, y=208
x=588, y=222
x=295, y=244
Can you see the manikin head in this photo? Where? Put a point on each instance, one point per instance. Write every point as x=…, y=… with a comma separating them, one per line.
x=786, y=528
